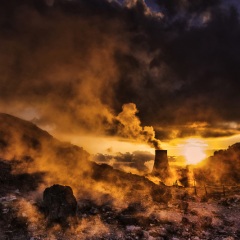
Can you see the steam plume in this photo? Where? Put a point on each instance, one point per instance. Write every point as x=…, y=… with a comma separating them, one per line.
x=130, y=126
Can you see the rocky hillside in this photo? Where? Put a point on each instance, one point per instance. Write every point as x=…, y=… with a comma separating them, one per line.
x=20, y=138
x=36, y=150
x=221, y=168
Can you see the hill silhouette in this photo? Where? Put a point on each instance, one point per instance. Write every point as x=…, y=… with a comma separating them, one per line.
x=24, y=142
x=221, y=168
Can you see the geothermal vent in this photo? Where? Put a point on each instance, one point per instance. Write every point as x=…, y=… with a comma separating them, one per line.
x=161, y=166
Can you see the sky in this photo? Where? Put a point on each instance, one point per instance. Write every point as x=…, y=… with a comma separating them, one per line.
x=124, y=75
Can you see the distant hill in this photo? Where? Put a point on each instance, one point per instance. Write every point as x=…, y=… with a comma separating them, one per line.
x=24, y=142
x=221, y=168
x=19, y=137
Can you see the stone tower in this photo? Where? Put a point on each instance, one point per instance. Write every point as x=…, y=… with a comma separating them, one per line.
x=161, y=166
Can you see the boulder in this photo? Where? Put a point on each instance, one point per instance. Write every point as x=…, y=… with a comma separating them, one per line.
x=59, y=203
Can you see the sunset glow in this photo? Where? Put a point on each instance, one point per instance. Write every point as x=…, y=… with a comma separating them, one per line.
x=194, y=151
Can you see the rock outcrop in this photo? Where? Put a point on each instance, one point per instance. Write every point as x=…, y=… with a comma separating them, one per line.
x=59, y=203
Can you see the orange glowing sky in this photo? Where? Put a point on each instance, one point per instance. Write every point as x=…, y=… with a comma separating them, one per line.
x=194, y=149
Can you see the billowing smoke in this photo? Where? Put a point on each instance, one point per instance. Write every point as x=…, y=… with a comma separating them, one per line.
x=76, y=63
x=129, y=126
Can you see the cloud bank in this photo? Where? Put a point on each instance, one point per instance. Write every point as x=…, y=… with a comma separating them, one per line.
x=81, y=65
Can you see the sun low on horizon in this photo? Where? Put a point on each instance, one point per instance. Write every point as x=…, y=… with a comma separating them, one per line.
x=194, y=150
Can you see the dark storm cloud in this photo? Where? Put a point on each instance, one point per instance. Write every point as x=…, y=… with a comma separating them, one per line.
x=174, y=7
x=193, y=75
x=76, y=63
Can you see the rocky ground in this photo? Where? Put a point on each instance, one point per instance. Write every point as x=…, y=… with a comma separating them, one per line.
x=183, y=216
x=105, y=203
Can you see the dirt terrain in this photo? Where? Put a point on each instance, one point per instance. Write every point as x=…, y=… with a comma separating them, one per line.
x=184, y=216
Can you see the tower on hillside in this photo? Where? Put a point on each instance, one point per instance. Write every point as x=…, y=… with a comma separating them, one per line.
x=161, y=166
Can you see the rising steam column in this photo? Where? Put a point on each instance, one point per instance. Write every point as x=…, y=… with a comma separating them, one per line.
x=161, y=166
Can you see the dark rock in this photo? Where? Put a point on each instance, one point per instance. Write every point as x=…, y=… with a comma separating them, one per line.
x=23, y=181
x=228, y=223
x=204, y=199
x=194, y=212
x=89, y=207
x=133, y=208
x=173, y=229
x=229, y=201
x=5, y=172
x=127, y=220
x=185, y=221
x=222, y=232
x=238, y=233
x=59, y=203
